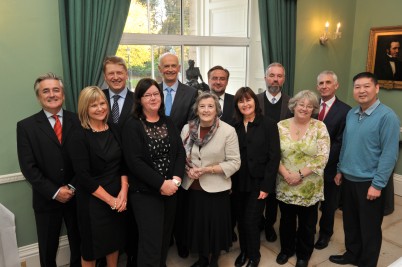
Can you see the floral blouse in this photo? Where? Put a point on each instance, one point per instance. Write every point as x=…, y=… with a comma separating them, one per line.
x=312, y=151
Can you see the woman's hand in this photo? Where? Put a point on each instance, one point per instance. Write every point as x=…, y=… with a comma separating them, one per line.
x=168, y=188
x=193, y=173
x=293, y=178
x=263, y=195
x=122, y=200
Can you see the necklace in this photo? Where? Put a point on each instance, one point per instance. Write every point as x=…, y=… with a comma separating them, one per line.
x=105, y=127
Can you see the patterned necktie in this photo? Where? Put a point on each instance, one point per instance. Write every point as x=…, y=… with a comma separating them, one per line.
x=168, y=101
x=57, y=127
x=273, y=100
x=115, y=109
x=322, y=112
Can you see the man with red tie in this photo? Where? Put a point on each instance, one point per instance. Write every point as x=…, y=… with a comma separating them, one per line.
x=333, y=114
x=42, y=141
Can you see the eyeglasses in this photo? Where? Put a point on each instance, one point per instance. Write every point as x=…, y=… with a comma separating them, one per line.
x=222, y=79
x=149, y=96
x=310, y=107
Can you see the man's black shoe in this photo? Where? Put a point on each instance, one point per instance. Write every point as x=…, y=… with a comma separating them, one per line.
x=270, y=234
x=253, y=263
x=341, y=259
x=322, y=242
x=282, y=258
x=241, y=259
x=301, y=263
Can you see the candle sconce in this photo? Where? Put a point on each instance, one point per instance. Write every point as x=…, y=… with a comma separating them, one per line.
x=328, y=35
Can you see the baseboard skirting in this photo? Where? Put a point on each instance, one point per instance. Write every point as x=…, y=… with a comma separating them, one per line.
x=30, y=254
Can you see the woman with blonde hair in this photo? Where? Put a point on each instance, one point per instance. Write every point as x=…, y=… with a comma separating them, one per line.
x=102, y=184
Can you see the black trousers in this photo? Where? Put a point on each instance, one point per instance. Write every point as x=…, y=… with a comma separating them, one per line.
x=362, y=221
x=271, y=210
x=328, y=208
x=48, y=226
x=297, y=223
x=249, y=210
x=154, y=215
x=180, y=223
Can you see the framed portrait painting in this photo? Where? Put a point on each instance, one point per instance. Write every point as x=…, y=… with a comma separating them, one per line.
x=384, y=57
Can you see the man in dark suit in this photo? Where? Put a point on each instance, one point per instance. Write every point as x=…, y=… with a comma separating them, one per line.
x=121, y=102
x=42, y=141
x=115, y=74
x=218, y=79
x=333, y=113
x=389, y=67
x=274, y=104
x=179, y=101
x=182, y=96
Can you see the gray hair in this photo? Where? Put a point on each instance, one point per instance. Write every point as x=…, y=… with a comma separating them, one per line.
x=328, y=72
x=205, y=95
x=307, y=95
x=275, y=64
x=47, y=76
x=167, y=54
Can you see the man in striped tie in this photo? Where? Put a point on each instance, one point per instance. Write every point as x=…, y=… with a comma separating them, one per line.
x=42, y=141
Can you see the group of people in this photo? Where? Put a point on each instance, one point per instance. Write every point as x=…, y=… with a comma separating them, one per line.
x=134, y=171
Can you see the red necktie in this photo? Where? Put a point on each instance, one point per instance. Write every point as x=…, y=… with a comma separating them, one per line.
x=57, y=127
x=322, y=112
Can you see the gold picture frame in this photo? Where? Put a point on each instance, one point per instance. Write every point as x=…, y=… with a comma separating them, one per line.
x=377, y=59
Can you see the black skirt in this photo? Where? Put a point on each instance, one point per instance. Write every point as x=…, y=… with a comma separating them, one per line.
x=209, y=222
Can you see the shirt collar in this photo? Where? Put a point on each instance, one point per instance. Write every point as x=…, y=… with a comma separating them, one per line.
x=269, y=96
x=122, y=94
x=48, y=114
x=174, y=86
x=370, y=109
x=329, y=102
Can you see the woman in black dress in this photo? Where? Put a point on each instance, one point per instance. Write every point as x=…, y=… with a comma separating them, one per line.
x=260, y=155
x=154, y=155
x=102, y=186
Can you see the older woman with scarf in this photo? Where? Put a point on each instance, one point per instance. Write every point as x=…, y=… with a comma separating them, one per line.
x=212, y=153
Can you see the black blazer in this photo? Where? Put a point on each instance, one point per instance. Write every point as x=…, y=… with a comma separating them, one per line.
x=141, y=173
x=43, y=160
x=126, y=110
x=335, y=122
x=263, y=151
x=89, y=161
x=182, y=109
x=228, y=109
x=383, y=69
x=285, y=111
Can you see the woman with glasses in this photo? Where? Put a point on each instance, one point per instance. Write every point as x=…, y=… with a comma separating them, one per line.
x=305, y=148
x=155, y=159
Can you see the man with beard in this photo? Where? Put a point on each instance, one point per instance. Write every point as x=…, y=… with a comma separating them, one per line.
x=274, y=104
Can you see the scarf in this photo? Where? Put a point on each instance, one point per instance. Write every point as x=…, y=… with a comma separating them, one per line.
x=192, y=138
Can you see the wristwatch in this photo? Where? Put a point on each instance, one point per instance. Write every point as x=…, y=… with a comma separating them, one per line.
x=176, y=182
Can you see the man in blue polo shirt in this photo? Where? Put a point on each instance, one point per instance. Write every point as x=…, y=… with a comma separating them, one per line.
x=368, y=156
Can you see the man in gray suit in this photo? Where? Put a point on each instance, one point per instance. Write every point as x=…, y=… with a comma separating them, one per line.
x=274, y=104
x=179, y=100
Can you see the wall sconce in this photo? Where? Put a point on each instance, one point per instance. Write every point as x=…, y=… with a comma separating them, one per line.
x=327, y=35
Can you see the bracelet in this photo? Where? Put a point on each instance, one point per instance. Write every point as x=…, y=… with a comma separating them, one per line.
x=212, y=170
x=301, y=175
x=128, y=185
x=115, y=205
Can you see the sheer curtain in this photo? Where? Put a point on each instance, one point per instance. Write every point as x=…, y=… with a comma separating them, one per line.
x=278, y=36
x=90, y=30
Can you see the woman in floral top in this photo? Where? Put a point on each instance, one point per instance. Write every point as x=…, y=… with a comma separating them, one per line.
x=305, y=148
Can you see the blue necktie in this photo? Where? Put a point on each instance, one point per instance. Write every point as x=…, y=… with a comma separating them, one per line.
x=168, y=101
x=115, y=109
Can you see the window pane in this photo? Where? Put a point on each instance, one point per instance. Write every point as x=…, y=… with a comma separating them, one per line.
x=142, y=61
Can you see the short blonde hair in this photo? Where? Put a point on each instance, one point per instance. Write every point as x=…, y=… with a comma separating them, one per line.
x=305, y=94
x=89, y=95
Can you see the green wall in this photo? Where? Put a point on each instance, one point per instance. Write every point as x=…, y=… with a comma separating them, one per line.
x=29, y=46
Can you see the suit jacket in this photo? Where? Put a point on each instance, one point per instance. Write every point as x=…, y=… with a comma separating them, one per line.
x=260, y=153
x=285, y=112
x=142, y=175
x=43, y=160
x=228, y=109
x=125, y=111
x=182, y=109
x=222, y=149
x=335, y=121
x=383, y=70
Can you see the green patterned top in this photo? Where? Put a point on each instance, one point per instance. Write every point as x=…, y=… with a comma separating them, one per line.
x=311, y=151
